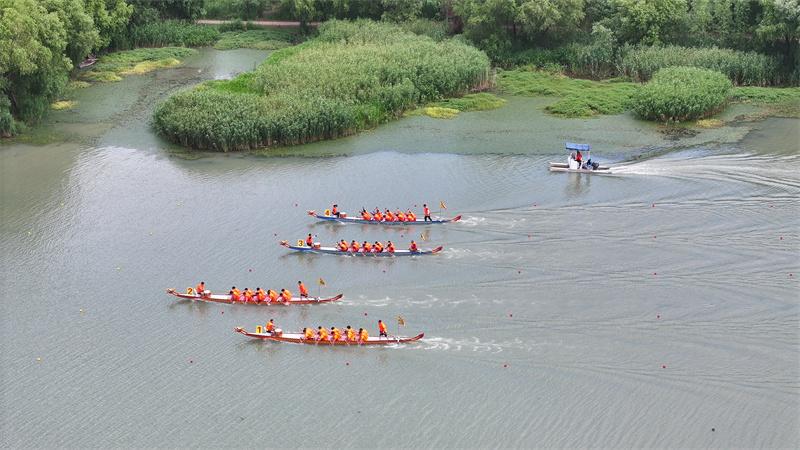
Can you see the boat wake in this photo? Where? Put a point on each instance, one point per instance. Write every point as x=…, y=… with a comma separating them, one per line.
x=771, y=171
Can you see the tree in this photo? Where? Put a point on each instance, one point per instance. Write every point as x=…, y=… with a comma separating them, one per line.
x=32, y=60
x=648, y=22
x=401, y=10
x=549, y=18
x=302, y=10
x=110, y=17
x=780, y=28
x=82, y=36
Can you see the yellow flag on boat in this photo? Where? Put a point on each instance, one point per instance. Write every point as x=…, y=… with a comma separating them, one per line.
x=442, y=205
x=401, y=321
x=321, y=282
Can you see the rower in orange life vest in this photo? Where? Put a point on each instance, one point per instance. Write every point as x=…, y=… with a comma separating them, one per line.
x=388, y=216
x=343, y=246
x=413, y=247
x=309, y=241
x=302, y=288
x=354, y=247
x=426, y=213
x=248, y=295
x=378, y=247
x=365, y=214
x=389, y=247
x=401, y=216
x=366, y=247
x=336, y=334
x=235, y=294
x=200, y=289
x=350, y=334
x=382, y=329
x=335, y=210
x=272, y=295
x=410, y=216
x=270, y=327
x=260, y=295
x=363, y=335
x=308, y=334
x=322, y=334
x=286, y=295
x=377, y=215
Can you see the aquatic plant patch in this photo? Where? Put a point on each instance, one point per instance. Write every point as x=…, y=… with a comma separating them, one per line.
x=578, y=98
x=111, y=67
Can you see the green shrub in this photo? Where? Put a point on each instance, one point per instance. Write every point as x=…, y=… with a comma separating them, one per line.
x=742, y=68
x=434, y=29
x=354, y=75
x=682, y=93
x=8, y=126
x=172, y=32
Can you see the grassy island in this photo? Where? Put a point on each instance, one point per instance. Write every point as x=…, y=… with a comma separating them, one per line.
x=352, y=76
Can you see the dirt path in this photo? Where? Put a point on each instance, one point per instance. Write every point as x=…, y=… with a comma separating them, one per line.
x=263, y=23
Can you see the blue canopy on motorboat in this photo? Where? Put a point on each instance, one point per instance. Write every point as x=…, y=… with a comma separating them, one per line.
x=580, y=147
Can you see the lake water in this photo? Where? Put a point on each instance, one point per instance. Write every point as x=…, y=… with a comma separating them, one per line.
x=657, y=307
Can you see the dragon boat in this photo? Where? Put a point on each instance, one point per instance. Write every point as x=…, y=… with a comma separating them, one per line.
x=298, y=338
x=302, y=247
x=226, y=298
x=343, y=218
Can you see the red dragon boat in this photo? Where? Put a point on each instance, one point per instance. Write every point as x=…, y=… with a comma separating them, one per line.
x=226, y=298
x=298, y=338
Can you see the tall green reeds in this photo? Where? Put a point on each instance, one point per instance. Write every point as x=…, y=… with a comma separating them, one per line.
x=172, y=32
x=682, y=93
x=354, y=75
x=742, y=68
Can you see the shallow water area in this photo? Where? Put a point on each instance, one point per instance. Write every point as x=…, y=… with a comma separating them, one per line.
x=656, y=307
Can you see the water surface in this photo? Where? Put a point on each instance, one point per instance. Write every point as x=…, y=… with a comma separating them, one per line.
x=654, y=308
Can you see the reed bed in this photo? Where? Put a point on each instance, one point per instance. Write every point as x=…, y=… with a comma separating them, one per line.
x=172, y=33
x=682, y=93
x=354, y=75
x=111, y=67
x=742, y=68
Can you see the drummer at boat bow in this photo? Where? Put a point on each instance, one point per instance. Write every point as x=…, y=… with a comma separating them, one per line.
x=382, y=329
x=200, y=289
x=335, y=210
x=413, y=247
x=302, y=288
x=270, y=326
x=309, y=240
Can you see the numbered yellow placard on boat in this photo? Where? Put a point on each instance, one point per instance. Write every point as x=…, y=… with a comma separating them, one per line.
x=300, y=242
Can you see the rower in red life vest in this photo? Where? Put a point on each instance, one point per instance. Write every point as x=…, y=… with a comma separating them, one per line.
x=363, y=335
x=350, y=334
x=286, y=295
x=354, y=247
x=248, y=295
x=366, y=247
x=272, y=295
x=322, y=334
x=200, y=289
x=343, y=246
x=401, y=216
x=303, y=290
x=389, y=247
x=413, y=247
x=377, y=215
x=270, y=327
x=410, y=216
x=309, y=241
x=235, y=294
x=260, y=295
x=388, y=216
x=426, y=213
x=336, y=334
x=335, y=210
x=378, y=247
x=382, y=329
